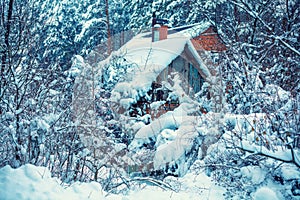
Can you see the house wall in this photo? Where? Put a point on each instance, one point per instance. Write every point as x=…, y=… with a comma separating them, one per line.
x=188, y=68
x=189, y=57
x=209, y=40
x=179, y=64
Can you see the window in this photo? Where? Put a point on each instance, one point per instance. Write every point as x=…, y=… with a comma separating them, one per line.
x=195, y=79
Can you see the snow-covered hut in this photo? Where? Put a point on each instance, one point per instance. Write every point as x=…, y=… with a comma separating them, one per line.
x=162, y=55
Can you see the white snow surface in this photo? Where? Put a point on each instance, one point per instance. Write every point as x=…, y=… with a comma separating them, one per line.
x=265, y=193
x=31, y=182
x=290, y=172
x=255, y=173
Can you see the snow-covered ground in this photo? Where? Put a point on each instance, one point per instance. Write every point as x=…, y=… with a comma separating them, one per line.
x=32, y=182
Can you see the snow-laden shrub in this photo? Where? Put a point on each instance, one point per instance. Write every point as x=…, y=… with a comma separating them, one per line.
x=244, y=174
x=249, y=156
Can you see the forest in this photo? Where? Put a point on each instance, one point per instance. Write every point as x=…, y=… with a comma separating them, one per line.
x=61, y=74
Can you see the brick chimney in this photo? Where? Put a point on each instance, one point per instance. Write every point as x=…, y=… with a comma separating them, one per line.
x=159, y=28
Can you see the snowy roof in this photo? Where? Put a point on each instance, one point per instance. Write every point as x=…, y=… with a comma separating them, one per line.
x=192, y=30
x=152, y=58
x=156, y=55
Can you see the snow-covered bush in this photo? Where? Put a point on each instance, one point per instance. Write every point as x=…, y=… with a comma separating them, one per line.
x=251, y=155
x=116, y=70
x=244, y=174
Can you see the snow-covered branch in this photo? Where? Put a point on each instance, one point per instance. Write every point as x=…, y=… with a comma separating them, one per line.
x=255, y=15
x=287, y=156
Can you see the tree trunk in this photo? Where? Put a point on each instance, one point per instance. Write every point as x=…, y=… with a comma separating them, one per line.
x=109, y=45
x=6, y=50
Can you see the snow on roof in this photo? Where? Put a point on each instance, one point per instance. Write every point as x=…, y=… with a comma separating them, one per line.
x=152, y=58
x=147, y=54
x=192, y=30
